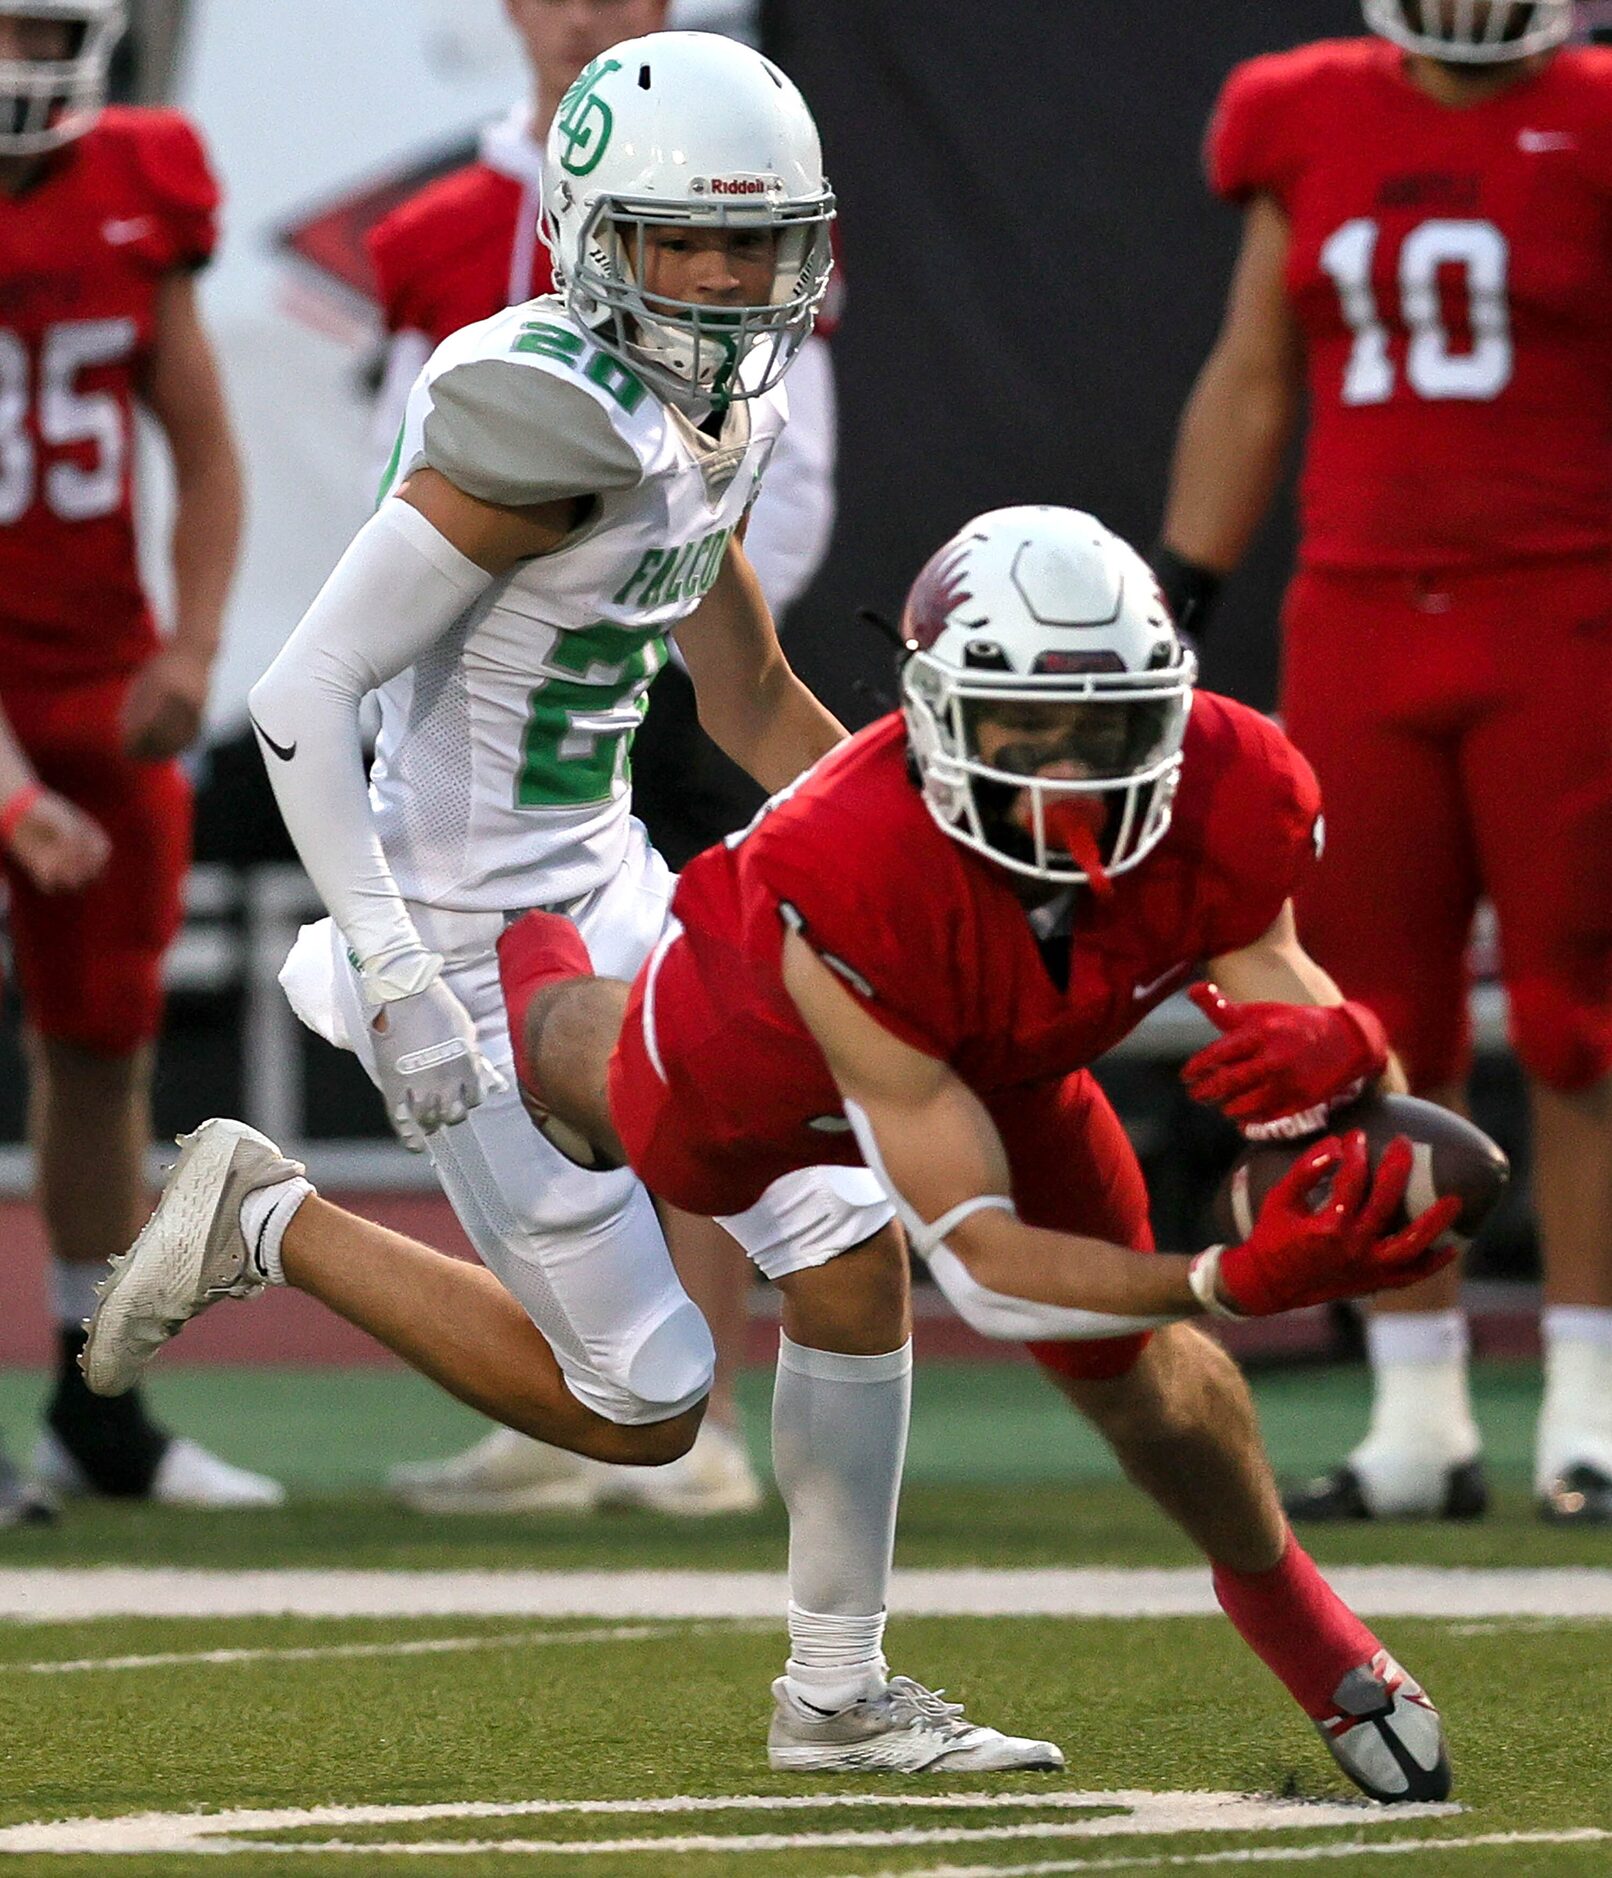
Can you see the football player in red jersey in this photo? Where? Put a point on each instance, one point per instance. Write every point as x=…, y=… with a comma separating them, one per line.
x=105, y=216
x=908, y=961
x=463, y=248
x=1425, y=263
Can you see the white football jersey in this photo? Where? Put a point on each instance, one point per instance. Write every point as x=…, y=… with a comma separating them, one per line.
x=501, y=776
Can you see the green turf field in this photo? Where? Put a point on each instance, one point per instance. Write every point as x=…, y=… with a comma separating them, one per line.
x=608, y=1739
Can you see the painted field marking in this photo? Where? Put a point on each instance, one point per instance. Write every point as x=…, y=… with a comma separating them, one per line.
x=58, y=1595
x=1144, y=1812
x=427, y=1646
x=1250, y=1855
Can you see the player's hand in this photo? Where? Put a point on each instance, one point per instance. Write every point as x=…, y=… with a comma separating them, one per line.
x=1279, y=1070
x=1322, y=1234
x=162, y=714
x=430, y=1070
x=58, y=846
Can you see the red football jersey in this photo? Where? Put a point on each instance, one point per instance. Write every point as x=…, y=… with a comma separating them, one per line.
x=1451, y=271
x=932, y=940
x=83, y=253
x=467, y=245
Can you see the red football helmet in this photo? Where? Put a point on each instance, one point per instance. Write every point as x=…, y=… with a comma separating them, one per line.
x=45, y=103
x=1472, y=32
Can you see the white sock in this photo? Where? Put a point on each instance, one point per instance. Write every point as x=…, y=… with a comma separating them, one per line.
x=1421, y=1416
x=72, y=1291
x=265, y=1214
x=839, y=1440
x=1575, y=1419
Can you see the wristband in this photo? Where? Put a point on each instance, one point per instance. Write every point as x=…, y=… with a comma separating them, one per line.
x=15, y=809
x=1202, y=1277
x=1189, y=588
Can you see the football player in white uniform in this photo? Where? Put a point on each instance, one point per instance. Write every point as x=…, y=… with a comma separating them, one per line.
x=570, y=486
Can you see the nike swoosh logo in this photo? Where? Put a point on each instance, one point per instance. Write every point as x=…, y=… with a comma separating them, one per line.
x=120, y=233
x=1540, y=140
x=1143, y=992
x=284, y=751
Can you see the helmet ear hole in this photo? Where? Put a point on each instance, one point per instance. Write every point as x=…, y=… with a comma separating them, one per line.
x=643, y=78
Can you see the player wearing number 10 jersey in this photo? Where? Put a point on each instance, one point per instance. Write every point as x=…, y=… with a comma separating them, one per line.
x=1428, y=251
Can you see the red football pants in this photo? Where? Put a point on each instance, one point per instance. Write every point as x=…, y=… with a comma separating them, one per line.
x=1461, y=728
x=89, y=964
x=1074, y=1170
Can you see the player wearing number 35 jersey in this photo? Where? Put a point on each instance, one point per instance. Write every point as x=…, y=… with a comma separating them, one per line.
x=1428, y=252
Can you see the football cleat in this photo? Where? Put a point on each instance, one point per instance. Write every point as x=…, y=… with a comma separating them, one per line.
x=190, y=1253
x=186, y=1475
x=504, y=1472
x=1462, y=1494
x=715, y=1476
x=901, y=1728
x=1578, y=1496
x=1386, y=1735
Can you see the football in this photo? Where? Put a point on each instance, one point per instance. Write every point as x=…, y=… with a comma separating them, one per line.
x=1450, y=1155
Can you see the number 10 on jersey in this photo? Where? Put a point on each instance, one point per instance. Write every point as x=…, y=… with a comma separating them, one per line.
x=1434, y=369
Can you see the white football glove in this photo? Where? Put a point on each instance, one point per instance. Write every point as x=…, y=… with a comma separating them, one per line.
x=431, y=1072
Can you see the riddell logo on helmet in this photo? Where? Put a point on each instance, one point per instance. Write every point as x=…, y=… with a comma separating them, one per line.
x=738, y=186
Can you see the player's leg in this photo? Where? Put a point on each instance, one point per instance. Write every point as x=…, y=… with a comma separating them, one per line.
x=89, y=966
x=841, y=1403
x=235, y=1216
x=1370, y=668
x=1179, y=1417
x=1544, y=845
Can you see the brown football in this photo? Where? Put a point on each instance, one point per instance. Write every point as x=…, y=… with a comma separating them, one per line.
x=1450, y=1156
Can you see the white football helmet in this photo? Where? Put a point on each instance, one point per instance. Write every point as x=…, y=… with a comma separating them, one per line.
x=45, y=103
x=687, y=130
x=1035, y=607
x=1472, y=32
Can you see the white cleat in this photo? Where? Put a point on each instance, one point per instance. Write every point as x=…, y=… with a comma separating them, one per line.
x=715, y=1476
x=504, y=1472
x=187, y=1475
x=902, y=1728
x=1386, y=1735
x=190, y=1254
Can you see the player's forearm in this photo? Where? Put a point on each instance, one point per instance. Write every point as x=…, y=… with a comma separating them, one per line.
x=1228, y=460
x=208, y=519
x=777, y=732
x=398, y=588
x=16, y=772
x=1070, y=1272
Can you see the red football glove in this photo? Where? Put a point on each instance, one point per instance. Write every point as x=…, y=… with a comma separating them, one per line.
x=1279, y=1070
x=1305, y=1250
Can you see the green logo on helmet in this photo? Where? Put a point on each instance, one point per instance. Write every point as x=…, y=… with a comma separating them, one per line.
x=585, y=120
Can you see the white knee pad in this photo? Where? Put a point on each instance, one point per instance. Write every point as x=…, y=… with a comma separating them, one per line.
x=1022, y=1320
x=667, y=1364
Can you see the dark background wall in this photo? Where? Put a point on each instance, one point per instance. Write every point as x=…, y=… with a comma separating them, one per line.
x=1035, y=271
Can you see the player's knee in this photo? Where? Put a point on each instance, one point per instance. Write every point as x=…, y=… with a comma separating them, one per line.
x=1563, y=1041
x=668, y=1363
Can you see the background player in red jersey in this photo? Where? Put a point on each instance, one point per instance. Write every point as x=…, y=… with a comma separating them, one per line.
x=1426, y=254
x=909, y=959
x=464, y=247
x=104, y=218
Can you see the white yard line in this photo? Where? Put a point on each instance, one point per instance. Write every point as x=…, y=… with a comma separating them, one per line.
x=1140, y=1812
x=62, y=1595
x=1250, y=1855
x=428, y=1646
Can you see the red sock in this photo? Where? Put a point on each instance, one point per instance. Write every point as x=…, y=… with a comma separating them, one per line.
x=1297, y=1626
x=538, y=949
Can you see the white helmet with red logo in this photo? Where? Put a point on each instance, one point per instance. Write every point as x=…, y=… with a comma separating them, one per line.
x=696, y=131
x=1030, y=607
x=1472, y=32
x=45, y=103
